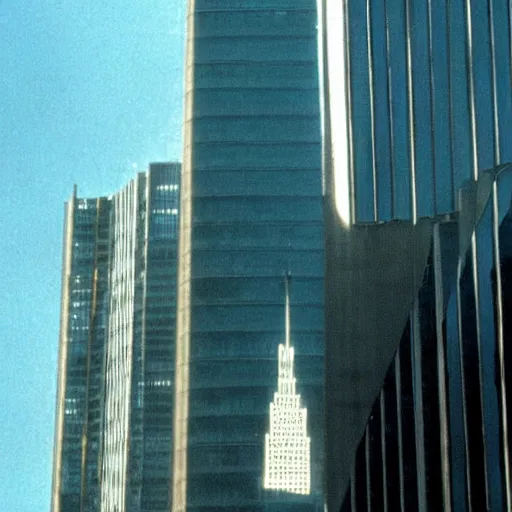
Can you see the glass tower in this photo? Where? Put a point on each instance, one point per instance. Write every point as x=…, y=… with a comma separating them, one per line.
x=251, y=210
x=113, y=446
x=419, y=99
x=418, y=103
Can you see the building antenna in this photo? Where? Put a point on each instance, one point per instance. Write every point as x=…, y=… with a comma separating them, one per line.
x=287, y=280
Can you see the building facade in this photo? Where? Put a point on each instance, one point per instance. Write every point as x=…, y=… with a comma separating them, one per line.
x=251, y=210
x=417, y=102
x=437, y=437
x=113, y=444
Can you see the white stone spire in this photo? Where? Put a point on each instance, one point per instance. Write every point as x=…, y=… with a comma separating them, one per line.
x=287, y=309
x=287, y=445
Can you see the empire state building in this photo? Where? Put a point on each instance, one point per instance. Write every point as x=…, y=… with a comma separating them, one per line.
x=287, y=445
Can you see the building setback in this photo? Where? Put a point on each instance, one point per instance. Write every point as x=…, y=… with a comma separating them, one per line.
x=251, y=210
x=113, y=444
x=437, y=437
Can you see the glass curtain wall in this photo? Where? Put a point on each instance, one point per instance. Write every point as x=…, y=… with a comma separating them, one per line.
x=252, y=211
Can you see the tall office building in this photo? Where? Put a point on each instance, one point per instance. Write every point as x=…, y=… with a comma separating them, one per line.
x=251, y=210
x=418, y=100
x=437, y=437
x=113, y=442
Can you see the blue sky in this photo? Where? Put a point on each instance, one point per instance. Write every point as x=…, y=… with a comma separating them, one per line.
x=90, y=92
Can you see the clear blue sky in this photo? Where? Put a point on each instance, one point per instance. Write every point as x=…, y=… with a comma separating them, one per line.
x=90, y=91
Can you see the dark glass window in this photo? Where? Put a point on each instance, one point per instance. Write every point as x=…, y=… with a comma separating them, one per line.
x=488, y=356
x=430, y=390
x=247, y=208
x=408, y=440
x=254, y=317
x=376, y=485
x=471, y=378
x=397, y=62
x=257, y=129
x=381, y=121
x=244, y=5
x=261, y=23
x=230, y=400
x=459, y=94
x=263, y=344
x=256, y=290
x=361, y=112
x=483, y=87
x=246, y=157
x=505, y=241
x=304, y=235
x=254, y=49
x=266, y=75
x=361, y=498
x=438, y=21
x=455, y=406
x=421, y=99
x=246, y=263
x=255, y=102
x=502, y=77
x=391, y=453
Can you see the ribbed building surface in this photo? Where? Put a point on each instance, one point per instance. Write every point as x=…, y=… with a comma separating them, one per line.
x=438, y=437
x=113, y=445
x=418, y=99
x=251, y=210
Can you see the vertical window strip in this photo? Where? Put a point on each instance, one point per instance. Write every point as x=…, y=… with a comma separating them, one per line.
x=400, y=174
x=398, y=392
x=494, y=85
x=392, y=167
x=340, y=108
x=469, y=36
x=390, y=110
x=385, y=448
x=489, y=345
x=442, y=371
x=441, y=135
x=119, y=351
x=419, y=426
x=372, y=107
x=348, y=103
x=501, y=349
x=432, y=103
x=473, y=249
x=421, y=108
x=367, y=466
x=362, y=128
x=381, y=111
x=410, y=102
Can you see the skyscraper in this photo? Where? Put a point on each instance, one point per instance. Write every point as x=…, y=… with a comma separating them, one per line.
x=437, y=436
x=113, y=443
x=287, y=445
x=251, y=210
x=418, y=100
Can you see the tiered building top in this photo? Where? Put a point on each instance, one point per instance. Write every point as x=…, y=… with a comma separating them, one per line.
x=287, y=445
